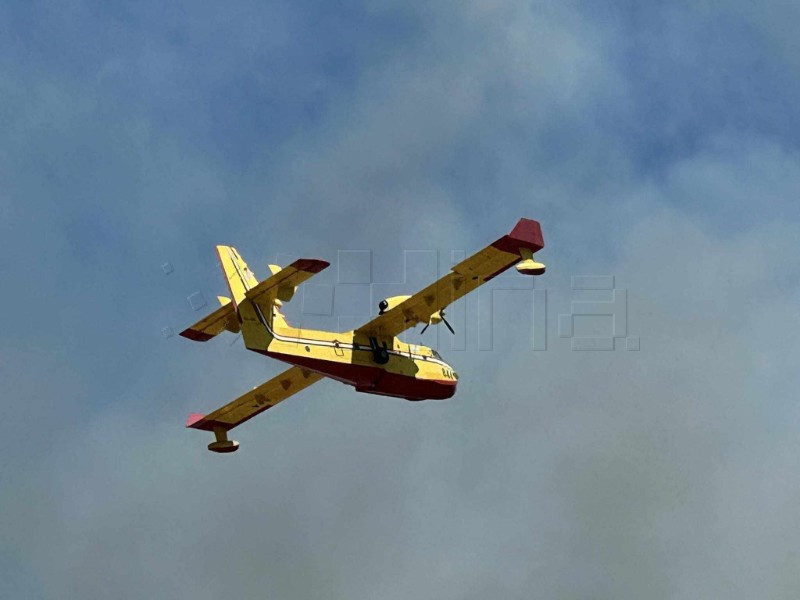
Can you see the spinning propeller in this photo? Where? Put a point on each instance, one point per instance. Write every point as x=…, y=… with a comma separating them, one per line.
x=435, y=319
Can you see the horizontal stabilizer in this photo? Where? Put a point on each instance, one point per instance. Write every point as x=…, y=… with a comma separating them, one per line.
x=221, y=319
x=282, y=284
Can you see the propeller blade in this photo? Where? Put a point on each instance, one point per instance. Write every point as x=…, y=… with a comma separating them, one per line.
x=453, y=331
x=424, y=328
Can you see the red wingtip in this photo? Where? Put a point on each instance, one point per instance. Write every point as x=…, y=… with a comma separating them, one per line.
x=195, y=336
x=311, y=265
x=527, y=233
x=194, y=418
x=530, y=232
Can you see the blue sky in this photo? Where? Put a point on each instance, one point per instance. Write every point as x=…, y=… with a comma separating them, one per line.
x=656, y=143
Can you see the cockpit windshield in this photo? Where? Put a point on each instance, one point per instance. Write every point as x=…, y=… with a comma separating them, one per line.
x=436, y=354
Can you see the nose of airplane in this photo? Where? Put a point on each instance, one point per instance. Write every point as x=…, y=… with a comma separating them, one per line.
x=446, y=389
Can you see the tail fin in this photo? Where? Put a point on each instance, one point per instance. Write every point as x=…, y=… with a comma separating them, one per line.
x=238, y=275
x=246, y=293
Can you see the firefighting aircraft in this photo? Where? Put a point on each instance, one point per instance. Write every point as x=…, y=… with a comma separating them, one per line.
x=371, y=358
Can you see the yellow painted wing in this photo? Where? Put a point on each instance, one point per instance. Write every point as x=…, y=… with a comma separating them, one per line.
x=466, y=276
x=255, y=401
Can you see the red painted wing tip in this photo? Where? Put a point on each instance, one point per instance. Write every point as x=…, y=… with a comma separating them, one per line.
x=194, y=418
x=311, y=265
x=195, y=336
x=528, y=231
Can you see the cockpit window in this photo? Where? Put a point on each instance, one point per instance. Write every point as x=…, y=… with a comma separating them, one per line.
x=436, y=354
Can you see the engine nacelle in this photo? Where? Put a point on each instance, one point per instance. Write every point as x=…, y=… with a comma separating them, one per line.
x=390, y=303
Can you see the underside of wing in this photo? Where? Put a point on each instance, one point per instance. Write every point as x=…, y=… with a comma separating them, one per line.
x=466, y=276
x=256, y=401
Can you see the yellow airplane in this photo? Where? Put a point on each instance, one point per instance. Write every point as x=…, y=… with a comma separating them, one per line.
x=371, y=358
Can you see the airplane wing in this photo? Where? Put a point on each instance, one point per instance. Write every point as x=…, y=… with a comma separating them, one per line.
x=281, y=285
x=464, y=277
x=255, y=401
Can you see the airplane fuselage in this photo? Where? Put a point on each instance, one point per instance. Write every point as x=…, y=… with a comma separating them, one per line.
x=387, y=367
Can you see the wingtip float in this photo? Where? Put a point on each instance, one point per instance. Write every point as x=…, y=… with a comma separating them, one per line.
x=370, y=358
